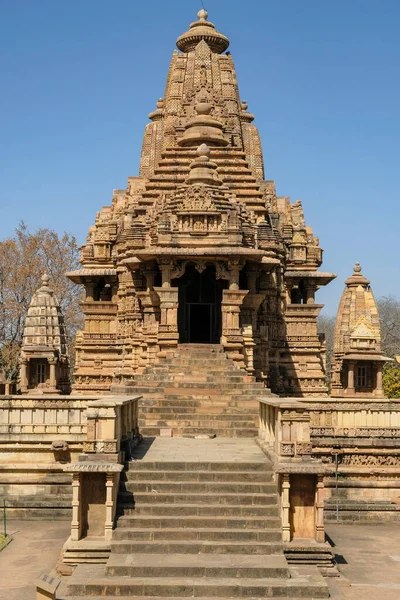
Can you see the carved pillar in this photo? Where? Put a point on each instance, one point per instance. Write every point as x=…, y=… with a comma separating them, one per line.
x=52, y=380
x=310, y=294
x=250, y=332
x=235, y=266
x=110, y=497
x=379, y=382
x=319, y=510
x=168, y=335
x=232, y=337
x=285, y=508
x=350, y=379
x=89, y=290
x=166, y=266
x=23, y=375
x=150, y=274
x=288, y=294
x=76, y=523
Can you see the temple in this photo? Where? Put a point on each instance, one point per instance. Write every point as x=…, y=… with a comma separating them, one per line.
x=200, y=336
x=199, y=248
x=44, y=362
x=357, y=356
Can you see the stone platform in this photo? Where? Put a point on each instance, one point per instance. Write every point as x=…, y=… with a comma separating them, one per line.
x=226, y=450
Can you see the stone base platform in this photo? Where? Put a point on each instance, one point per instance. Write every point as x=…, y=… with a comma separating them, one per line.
x=88, y=550
x=307, y=552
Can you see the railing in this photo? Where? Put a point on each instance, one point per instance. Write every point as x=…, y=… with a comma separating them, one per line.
x=101, y=424
x=45, y=417
x=110, y=421
x=284, y=428
x=354, y=417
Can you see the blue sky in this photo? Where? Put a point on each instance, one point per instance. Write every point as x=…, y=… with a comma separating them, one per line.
x=79, y=78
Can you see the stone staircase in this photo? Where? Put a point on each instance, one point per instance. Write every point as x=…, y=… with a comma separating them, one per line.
x=197, y=390
x=205, y=528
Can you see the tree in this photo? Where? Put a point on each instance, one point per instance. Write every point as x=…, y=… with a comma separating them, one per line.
x=389, y=314
x=326, y=325
x=24, y=258
x=391, y=380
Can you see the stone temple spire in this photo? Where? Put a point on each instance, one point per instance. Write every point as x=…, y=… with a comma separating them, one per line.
x=44, y=365
x=357, y=354
x=202, y=30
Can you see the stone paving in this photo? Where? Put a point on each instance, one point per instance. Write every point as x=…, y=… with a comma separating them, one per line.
x=35, y=548
x=369, y=561
x=369, y=557
x=199, y=450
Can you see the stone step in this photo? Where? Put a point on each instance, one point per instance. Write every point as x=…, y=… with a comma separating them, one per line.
x=40, y=500
x=201, y=510
x=203, y=419
x=306, y=586
x=229, y=414
x=201, y=400
x=127, y=499
x=197, y=598
x=200, y=360
x=190, y=547
x=213, y=466
x=228, y=432
x=202, y=522
x=182, y=375
x=201, y=487
x=40, y=511
x=200, y=476
x=164, y=379
x=225, y=412
x=175, y=368
x=202, y=565
x=214, y=363
x=201, y=389
x=242, y=536
x=197, y=422
x=209, y=388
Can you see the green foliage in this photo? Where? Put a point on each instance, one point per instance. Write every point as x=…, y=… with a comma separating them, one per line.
x=391, y=380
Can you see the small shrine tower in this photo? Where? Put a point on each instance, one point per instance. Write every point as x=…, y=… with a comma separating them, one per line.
x=44, y=365
x=357, y=356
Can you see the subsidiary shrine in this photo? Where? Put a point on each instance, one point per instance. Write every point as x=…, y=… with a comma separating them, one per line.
x=197, y=448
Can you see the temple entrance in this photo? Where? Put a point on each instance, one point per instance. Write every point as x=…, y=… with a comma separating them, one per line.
x=199, y=310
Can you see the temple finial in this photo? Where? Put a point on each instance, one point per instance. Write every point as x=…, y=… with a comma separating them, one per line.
x=203, y=150
x=202, y=29
x=357, y=268
x=202, y=15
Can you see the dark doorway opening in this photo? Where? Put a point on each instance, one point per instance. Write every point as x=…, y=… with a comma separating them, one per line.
x=199, y=310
